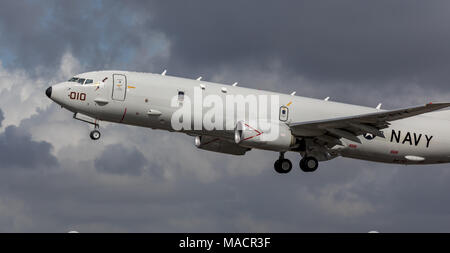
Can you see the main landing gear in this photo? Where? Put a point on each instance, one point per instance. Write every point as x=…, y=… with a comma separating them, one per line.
x=283, y=165
x=307, y=164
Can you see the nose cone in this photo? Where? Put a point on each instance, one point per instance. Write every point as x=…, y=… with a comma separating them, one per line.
x=48, y=92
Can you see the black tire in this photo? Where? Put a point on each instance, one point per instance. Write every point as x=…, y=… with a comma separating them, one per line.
x=95, y=135
x=286, y=166
x=309, y=164
x=302, y=165
x=282, y=166
x=276, y=166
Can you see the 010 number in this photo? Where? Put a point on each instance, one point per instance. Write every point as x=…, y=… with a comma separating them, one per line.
x=77, y=96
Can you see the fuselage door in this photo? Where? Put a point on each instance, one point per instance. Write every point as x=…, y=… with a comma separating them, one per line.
x=119, y=87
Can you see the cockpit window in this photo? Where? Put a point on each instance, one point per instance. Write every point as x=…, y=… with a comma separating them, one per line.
x=81, y=80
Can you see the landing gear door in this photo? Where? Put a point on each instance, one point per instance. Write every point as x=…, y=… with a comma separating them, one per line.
x=119, y=87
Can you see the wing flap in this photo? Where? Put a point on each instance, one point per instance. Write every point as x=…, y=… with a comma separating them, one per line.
x=344, y=134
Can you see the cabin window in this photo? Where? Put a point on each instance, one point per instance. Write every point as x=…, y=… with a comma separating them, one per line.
x=81, y=80
x=88, y=81
x=180, y=95
x=284, y=113
x=73, y=79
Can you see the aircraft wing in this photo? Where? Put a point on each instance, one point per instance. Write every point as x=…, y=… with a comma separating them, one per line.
x=331, y=130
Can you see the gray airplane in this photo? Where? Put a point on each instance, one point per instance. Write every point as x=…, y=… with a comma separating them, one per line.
x=319, y=130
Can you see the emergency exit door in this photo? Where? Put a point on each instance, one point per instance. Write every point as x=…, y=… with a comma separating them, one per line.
x=119, y=87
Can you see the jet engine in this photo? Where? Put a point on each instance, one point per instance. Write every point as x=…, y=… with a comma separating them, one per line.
x=274, y=136
x=219, y=145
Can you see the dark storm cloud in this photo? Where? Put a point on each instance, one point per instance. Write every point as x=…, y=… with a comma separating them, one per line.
x=323, y=40
x=18, y=150
x=117, y=159
x=97, y=195
x=1, y=117
x=340, y=197
x=333, y=41
x=320, y=39
x=98, y=33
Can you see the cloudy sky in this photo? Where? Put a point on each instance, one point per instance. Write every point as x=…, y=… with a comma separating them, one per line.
x=53, y=178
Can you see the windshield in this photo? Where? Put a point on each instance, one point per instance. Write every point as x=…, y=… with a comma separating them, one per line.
x=81, y=80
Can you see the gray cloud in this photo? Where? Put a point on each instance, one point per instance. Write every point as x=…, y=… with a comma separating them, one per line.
x=18, y=150
x=247, y=195
x=117, y=159
x=323, y=40
x=1, y=117
x=100, y=34
x=326, y=41
x=382, y=44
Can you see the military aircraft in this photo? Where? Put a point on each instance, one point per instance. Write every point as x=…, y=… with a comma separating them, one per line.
x=317, y=129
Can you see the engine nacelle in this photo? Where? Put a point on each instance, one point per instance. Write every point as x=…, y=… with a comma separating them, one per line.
x=219, y=145
x=276, y=136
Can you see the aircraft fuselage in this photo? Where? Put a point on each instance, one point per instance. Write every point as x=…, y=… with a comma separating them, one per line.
x=147, y=100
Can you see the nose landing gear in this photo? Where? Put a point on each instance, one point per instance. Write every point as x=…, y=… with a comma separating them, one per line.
x=95, y=134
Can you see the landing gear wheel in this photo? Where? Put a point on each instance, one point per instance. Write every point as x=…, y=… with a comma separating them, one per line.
x=309, y=164
x=95, y=135
x=283, y=166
